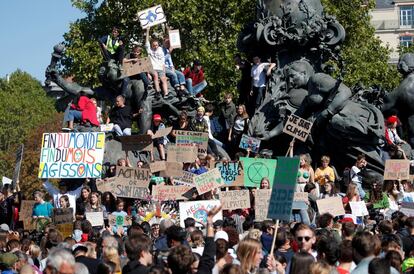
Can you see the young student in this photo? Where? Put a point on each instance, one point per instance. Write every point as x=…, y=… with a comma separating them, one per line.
x=120, y=204
x=259, y=72
x=41, y=208
x=112, y=46
x=159, y=143
x=324, y=173
x=212, y=142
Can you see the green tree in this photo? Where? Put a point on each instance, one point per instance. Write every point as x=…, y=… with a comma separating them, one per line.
x=366, y=60
x=208, y=30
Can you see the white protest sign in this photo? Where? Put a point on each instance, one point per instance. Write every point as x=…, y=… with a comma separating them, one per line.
x=96, y=218
x=151, y=17
x=332, y=205
x=261, y=204
x=359, y=208
x=297, y=127
x=198, y=210
x=175, y=41
x=6, y=181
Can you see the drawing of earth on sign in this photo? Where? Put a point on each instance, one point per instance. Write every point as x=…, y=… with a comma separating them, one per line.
x=201, y=215
x=151, y=17
x=257, y=171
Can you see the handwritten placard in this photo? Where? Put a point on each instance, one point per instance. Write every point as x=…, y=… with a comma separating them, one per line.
x=175, y=41
x=192, y=138
x=151, y=17
x=261, y=204
x=119, y=220
x=122, y=188
x=72, y=155
x=62, y=216
x=397, y=170
x=198, y=210
x=359, y=208
x=139, y=177
x=332, y=205
x=169, y=193
x=300, y=197
x=136, y=142
x=250, y=143
x=182, y=154
x=235, y=199
x=140, y=66
x=157, y=166
x=107, y=127
x=297, y=127
x=231, y=172
x=96, y=218
x=208, y=181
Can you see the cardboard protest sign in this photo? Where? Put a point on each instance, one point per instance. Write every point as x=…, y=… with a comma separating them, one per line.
x=257, y=168
x=96, y=218
x=297, y=127
x=198, y=210
x=172, y=169
x=26, y=209
x=72, y=155
x=122, y=188
x=62, y=216
x=208, y=181
x=151, y=17
x=261, y=204
x=65, y=229
x=6, y=181
x=397, y=170
x=118, y=220
x=300, y=196
x=359, y=208
x=182, y=154
x=136, y=142
x=169, y=193
x=231, y=172
x=250, y=143
x=280, y=205
x=407, y=208
x=107, y=127
x=235, y=199
x=38, y=223
x=191, y=138
x=162, y=132
x=175, y=41
x=157, y=166
x=332, y=205
x=18, y=164
x=138, y=177
x=134, y=68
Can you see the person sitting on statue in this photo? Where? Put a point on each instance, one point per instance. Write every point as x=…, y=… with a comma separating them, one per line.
x=156, y=55
x=159, y=143
x=258, y=74
x=133, y=57
x=176, y=77
x=121, y=116
x=82, y=110
x=199, y=124
x=112, y=46
x=391, y=136
x=194, y=78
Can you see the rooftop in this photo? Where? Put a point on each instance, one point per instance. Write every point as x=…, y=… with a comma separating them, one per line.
x=385, y=4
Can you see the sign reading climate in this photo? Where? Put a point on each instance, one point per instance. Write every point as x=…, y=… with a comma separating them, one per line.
x=72, y=155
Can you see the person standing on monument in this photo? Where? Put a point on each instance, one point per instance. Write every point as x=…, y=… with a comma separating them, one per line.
x=112, y=46
x=258, y=73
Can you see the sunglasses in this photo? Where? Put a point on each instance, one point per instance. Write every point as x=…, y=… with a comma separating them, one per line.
x=306, y=238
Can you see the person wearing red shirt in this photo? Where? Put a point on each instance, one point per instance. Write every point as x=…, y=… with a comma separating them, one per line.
x=194, y=78
x=83, y=110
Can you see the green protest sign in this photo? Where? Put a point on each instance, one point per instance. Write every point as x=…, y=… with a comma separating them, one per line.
x=280, y=205
x=257, y=168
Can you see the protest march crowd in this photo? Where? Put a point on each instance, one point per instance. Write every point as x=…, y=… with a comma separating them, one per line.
x=189, y=207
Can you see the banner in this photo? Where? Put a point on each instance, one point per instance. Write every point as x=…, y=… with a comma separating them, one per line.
x=297, y=127
x=198, y=210
x=208, y=181
x=26, y=209
x=96, y=218
x=17, y=165
x=250, y=143
x=169, y=193
x=397, y=170
x=138, y=177
x=255, y=169
x=191, y=138
x=72, y=155
x=261, y=204
x=231, y=172
x=157, y=166
x=62, y=216
x=332, y=205
x=162, y=132
x=134, y=68
x=280, y=205
x=359, y=208
x=151, y=17
x=175, y=41
x=182, y=154
x=118, y=220
x=172, y=169
x=122, y=188
x=235, y=199
x=136, y=142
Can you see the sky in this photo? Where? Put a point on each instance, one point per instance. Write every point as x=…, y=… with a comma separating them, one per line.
x=29, y=29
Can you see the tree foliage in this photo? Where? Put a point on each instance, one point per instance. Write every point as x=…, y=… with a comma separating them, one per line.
x=366, y=60
x=25, y=110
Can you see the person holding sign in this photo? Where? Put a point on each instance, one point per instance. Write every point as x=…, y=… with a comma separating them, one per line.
x=95, y=205
x=119, y=212
x=159, y=143
x=176, y=77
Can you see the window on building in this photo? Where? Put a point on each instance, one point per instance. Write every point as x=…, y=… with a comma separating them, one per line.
x=406, y=16
x=406, y=41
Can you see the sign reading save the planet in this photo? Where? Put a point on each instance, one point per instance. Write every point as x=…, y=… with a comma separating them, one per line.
x=297, y=127
x=72, y=155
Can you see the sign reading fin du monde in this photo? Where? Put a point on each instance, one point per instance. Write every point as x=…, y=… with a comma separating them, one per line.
x=72, y=155
x=280, y=205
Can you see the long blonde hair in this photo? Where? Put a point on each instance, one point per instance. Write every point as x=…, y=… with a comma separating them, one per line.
x=246, y=252
x=110, y=254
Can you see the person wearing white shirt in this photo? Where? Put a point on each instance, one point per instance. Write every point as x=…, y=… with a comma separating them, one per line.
x=57, y=193
x=258, y=74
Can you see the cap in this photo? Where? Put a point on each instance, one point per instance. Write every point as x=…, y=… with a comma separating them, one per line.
x=218, y=223
x=156, y=117
x=348, y=218
x=392, y=119
x=4, y=227
x=8, y=259
x=221, y=235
